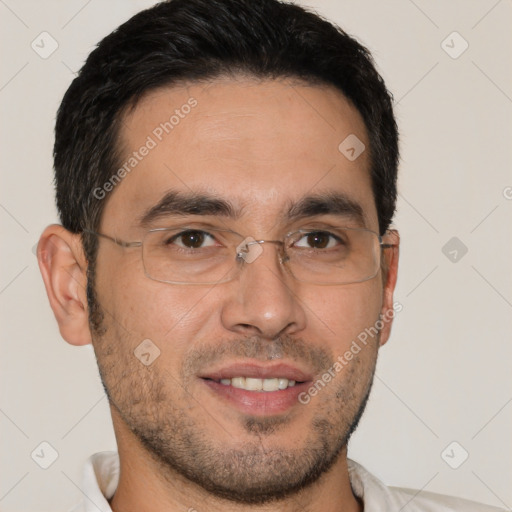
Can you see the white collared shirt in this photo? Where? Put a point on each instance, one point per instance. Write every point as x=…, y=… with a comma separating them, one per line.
x=101, y=477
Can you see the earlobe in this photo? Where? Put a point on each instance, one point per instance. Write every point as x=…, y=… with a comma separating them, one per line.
x=63, y=267
x=391, y=265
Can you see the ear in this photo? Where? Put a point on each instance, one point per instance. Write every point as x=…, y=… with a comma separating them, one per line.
x=63, y=266
x=390, y=273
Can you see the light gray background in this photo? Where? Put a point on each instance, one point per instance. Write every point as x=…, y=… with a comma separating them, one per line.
x=445, y=374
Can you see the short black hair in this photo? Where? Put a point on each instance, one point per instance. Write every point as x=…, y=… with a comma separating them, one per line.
x=180, y=41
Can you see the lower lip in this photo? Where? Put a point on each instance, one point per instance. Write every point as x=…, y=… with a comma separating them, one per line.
x=259, y=403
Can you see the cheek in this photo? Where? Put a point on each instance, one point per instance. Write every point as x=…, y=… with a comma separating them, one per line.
x=342, y=313
x=144, y=308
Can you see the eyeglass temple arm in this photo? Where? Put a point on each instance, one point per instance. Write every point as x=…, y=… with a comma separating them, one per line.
x=121, y=243
x=385, y=245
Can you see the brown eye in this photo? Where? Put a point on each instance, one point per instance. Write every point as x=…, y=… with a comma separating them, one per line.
x=318, y=240
x=192, y=239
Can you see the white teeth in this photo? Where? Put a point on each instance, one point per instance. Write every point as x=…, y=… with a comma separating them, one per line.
x=253, y=384
x=270, y=384
x=238, y=382
x=283, y=383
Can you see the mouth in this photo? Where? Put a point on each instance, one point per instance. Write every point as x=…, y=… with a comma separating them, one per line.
x=257, y=389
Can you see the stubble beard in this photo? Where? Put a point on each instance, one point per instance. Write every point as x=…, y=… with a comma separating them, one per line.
x=254, y=474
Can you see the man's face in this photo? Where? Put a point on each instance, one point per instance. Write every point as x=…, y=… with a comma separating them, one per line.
x=262, y=147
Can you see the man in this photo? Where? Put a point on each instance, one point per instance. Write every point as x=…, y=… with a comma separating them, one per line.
x=226, y=180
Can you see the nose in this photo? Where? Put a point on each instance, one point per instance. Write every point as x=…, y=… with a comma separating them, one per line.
x=263, y=300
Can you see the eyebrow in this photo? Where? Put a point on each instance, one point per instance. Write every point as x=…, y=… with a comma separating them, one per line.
x=183, y=203
x=177, y=203
x=329, y=203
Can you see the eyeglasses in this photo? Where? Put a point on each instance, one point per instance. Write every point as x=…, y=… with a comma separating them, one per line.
x=192, y=255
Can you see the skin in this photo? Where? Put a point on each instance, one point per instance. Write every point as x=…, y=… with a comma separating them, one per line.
x=259, y=145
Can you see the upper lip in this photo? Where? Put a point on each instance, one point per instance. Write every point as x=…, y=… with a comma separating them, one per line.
x=258, y=371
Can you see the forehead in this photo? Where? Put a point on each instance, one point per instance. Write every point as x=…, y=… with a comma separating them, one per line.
x=260, y=144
